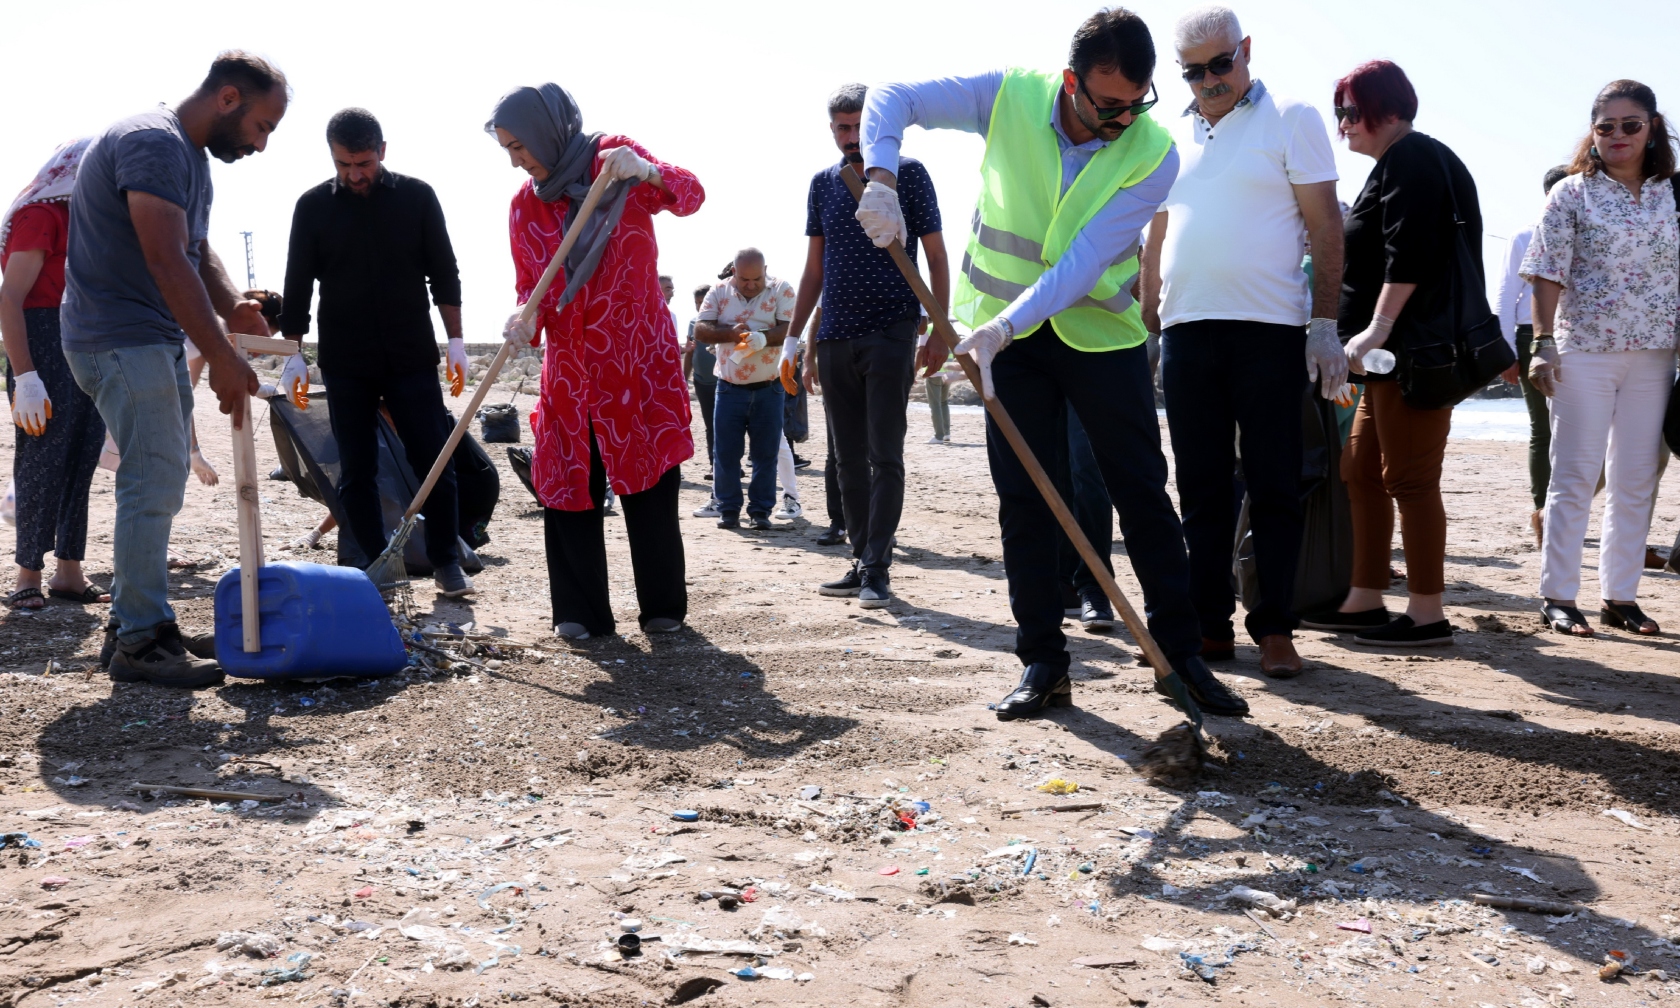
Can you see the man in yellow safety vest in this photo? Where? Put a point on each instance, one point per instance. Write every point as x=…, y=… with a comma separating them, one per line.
x=1074, y=170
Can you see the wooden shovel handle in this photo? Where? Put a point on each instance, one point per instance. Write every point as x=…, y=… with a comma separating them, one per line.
x=942, y=327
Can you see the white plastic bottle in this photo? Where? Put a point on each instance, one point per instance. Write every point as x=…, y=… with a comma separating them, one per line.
x=1379, y=361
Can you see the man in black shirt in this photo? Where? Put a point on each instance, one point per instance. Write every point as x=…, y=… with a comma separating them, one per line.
x=375, y=239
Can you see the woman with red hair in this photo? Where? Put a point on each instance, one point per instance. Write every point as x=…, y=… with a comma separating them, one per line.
x=1400, y=247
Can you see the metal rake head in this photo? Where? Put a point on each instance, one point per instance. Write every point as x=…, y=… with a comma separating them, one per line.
x=388, y=570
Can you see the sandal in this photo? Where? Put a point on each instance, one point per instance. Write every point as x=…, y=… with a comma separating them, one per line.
x=90, y=594
x=1628, y=616
x=17, y=599
x=1565, y=620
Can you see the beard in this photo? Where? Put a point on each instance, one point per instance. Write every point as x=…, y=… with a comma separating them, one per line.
x=227, y=141
x=1109, y=130
x=1221, y=88
x=853, y=154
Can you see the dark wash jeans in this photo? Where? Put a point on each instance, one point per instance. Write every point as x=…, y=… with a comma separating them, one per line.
x=747, y=420
x=1112, y=395
x=1223, y=377
x=1539, y=421
x=866, y=390
x=415, y=401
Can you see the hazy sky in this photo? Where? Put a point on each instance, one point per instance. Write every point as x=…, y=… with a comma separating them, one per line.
x=736, y=92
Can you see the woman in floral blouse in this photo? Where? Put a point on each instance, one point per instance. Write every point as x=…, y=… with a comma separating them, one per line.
x=1605, y=265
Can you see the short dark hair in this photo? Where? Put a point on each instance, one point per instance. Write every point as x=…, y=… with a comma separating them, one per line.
x=355, y=129
x=1659, y=155
x=847, y=99
x=1113, y=39
x=1554, y=175
x=252, y=75
x=702, y=290
x=1381, y=91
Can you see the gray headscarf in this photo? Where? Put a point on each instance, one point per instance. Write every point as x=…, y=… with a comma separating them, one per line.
x=547, y=121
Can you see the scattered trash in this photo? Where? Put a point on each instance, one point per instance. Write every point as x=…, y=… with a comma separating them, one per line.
x=1269, y=902
x=630, y=925
x=1360, y=924
x=832, y=892
x=1625, y=817
x=484, y=897
x=292, y=973
x=1527, y=873
x=1020, y=938
x=1171, y=891
x=17, y=840
x=258, y=944
x=628, y=942
x=363, y=893
x=54, y=881
x=889, y=870
x=1102, y=962
x=1521, y=903
x=745, y=973
x=780, y=921
x=1057, y=785
x=685, y=815
x=810, y=792
x=421, y=925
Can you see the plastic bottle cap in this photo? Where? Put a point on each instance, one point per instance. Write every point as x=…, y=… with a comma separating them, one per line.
x=685, y=815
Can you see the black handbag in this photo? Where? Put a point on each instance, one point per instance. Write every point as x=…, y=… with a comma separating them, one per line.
x=1671, y=419
x=1452, y=346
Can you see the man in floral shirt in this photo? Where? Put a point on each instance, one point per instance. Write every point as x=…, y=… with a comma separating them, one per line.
x=747, y=316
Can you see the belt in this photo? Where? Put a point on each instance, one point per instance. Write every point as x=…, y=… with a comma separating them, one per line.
x=752, y=386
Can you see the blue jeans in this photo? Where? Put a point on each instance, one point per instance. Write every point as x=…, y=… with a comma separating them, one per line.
x=1223, y=378
x=1036, y=377
x=747, y=416
x=146, y=399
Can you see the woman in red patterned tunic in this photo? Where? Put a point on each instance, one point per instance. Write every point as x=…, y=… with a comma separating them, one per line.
x=613, y=408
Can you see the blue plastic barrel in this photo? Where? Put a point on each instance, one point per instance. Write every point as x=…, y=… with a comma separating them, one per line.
x=317, y=621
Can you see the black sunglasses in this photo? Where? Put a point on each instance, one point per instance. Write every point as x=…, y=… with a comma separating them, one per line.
x=1219, y=66
x=1629, y=127
x=1347, y=113
x=1105, y=114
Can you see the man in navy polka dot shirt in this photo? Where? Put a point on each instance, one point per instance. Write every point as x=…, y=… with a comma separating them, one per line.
x=866, y=350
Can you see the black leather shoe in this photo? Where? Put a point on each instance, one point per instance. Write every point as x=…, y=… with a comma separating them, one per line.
x=1095, y=614
x=729, y=521
x=1041, y=686
x=835, y=536
x=1211, y=695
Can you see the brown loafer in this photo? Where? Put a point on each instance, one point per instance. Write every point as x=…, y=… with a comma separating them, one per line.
x=1278, y=658
x=1218, y=650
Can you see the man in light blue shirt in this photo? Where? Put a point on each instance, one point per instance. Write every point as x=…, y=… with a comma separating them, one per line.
x=1105, y=91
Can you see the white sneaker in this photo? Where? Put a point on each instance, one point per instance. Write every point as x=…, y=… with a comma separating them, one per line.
x=791, y=508
x=709, y=511
x=936, y=439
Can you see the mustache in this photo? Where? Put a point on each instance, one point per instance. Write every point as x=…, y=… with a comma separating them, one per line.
x=1221, y=88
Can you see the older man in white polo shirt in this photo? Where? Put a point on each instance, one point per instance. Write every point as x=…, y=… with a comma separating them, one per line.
x=1241, y=333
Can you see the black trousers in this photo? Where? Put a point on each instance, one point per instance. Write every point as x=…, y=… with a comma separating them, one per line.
x=1224, y=378
x=1081, y=485
x=706, y=393
x=1539, y=421
x=576, y=544
x=54, y=471
x=415, y=402
x=866, y=389
x=1110, y=391
x=831, y=480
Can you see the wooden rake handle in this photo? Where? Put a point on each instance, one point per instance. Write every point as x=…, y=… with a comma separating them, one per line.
x=596, y=190
x=942, y=327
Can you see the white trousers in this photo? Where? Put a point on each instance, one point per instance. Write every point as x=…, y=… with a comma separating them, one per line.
x=785, y=471
x=1607, y=417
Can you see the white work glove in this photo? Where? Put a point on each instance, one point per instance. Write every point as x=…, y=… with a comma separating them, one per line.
x=519, y=330
x=1326, y=363
x=1545, y=369
x=294, y=381
x=31, y=409
x=456, y=369
x=625, y=163
x=1375, y=335
x=790, y=372
x=983, y=345
x=747, y=345
x=881, y=216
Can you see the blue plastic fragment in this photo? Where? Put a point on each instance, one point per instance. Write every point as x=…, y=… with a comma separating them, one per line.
x=1032, y=859
x=746, y=973
x=685, y=815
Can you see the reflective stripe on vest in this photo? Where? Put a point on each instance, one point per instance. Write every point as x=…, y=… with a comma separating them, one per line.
x=1024, y=222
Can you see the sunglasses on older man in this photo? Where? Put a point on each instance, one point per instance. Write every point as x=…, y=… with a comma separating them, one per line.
x=1219, y=66
x=1629, y=127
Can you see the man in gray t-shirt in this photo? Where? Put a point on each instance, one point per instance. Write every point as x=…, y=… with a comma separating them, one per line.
x=140, y=275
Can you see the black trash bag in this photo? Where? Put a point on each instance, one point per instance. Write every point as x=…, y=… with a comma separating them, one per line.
x=796, y=416
x=309, y=454
x=478, y=487
x=1326, y=565
x=500, y=423
x=519, y=460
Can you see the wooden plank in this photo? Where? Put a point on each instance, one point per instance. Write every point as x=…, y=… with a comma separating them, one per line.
x=250, y=530
x=267, y=345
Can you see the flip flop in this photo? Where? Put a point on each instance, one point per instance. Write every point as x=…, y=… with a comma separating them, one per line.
x=90, y=594
x=16, y=599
